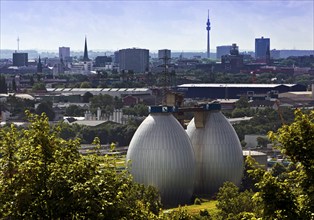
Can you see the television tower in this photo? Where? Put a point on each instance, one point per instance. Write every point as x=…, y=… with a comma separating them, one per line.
x=208, y=39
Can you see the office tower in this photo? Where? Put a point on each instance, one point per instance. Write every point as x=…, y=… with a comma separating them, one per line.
x=20, y=59
x=262, y=48
x=222, y=50
x=64, y=53
x=164, y=55
x=208, y=39
x=116, y=57
x=134, y=59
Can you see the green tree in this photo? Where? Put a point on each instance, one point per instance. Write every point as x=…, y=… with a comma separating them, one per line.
x=118, y=104
x=85, y=85
x=136, y=110
x=17, y=106
x=297, y=142
x=75, y=110
x=86, y=97
x=180, y=214
x=38, y=87
x=46, y=107
x=43, y=176
x=104, y=102
x=232, y=202
x=243, y=102
x=276, y=198
x=262, y=141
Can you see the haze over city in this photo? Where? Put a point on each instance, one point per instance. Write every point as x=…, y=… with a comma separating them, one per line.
x=177, y=25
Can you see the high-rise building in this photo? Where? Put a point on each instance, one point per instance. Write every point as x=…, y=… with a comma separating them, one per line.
x=116, y=57
x=262, y=48
x=134, y=59
x=208, y=37
x=64, y=53
x=222, y=50
x=164, y=54
x=20, y=59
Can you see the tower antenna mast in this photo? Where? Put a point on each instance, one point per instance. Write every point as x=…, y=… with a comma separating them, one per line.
x=18, y=43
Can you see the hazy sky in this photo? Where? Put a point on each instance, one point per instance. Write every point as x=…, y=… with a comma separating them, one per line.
x=175, y=25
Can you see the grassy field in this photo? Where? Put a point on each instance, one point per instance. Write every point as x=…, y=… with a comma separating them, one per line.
x=195, y=209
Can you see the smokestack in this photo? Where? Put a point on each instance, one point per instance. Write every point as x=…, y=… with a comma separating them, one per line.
x=98, y=113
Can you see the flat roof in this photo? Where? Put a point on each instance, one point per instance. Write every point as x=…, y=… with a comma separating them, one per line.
x=253, y=153
x=89, y=122
x=216, y=85
x=301, y=93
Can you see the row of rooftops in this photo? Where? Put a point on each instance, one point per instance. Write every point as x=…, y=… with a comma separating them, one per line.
x=214, y=85
x=97, y=89
x=218, y=85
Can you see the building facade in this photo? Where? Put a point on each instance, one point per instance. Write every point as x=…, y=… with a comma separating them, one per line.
x=233, y=62
x=134, y=59
x=102, y=61
x=235, y=91
x=64, y=53
x=20, y=59
x=222, y=50
x=262, y=48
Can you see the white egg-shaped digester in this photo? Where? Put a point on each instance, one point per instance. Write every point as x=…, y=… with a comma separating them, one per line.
x=161, y=154
x=218, y=153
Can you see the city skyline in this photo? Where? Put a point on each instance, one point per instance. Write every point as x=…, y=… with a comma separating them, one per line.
x=175, y=25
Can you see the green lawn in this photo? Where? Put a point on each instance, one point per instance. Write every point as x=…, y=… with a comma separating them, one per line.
x=195, y=209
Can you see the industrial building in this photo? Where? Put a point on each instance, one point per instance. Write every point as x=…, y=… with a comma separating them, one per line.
x=161, y=155
x=222, y=50
x=235, y=91
x=181, y=163
x=134, y=59
x=218, y=152
x=233, y=61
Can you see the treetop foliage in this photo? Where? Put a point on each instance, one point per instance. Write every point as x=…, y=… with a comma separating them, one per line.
x=43, y=176
x=282, y=192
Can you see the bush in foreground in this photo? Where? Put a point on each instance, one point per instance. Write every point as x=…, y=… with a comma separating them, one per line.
x=43, y=176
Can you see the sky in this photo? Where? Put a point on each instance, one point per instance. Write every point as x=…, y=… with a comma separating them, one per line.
x=176, y=25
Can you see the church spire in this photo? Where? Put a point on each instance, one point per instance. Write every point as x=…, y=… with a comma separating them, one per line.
x=85, y=58
x=39, y=66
